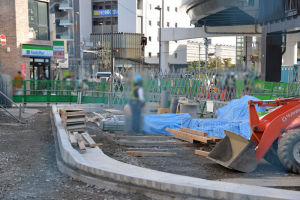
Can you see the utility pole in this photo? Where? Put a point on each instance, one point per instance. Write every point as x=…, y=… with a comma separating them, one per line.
x=206, y=51
x=160, y=26
x=102, y=45
x=199, y=58
x=111, y=39
x=163, y=13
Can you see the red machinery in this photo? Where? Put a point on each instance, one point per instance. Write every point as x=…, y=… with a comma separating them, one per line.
x=275, y=137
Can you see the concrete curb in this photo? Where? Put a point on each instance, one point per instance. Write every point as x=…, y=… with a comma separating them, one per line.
x=96, y=164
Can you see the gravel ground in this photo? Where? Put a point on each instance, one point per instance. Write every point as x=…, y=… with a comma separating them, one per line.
x=28, y=167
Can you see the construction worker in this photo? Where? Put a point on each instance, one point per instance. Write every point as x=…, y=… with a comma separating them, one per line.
x=137, y=102
x=230, y=83
x=18, y=83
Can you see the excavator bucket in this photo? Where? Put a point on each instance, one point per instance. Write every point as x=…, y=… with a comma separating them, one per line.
x=235, y=152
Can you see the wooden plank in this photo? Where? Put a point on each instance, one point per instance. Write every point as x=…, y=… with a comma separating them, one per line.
x=75, y=120
x=189, y=137
x=73, y=114
x=176, y=134
x=163, y=110
x=149, y=154
x=187, y=130
x=75, y=127
x=72, y=109
x=80, y=141
x=88, y=139
x=215, y=139
x=72, y=138
x=202, y=153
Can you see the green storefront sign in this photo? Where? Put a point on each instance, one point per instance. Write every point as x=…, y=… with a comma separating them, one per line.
x=37, y=51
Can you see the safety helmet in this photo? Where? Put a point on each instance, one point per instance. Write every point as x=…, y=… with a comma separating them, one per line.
x=137, y=79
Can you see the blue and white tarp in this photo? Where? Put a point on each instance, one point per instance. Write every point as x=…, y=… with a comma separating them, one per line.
x=232, y=117
x=157, y=124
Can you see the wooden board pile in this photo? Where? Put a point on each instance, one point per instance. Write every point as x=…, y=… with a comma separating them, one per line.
x=193, y=136
x=73, y=119
x=82, y=140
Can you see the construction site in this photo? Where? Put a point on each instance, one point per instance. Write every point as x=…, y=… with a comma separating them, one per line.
x=140, y=130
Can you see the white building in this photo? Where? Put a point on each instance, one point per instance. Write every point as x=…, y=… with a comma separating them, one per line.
x=214, y=50
x=140, y=16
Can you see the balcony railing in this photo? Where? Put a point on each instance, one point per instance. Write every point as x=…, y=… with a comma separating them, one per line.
x=66, y=5
x=66, y=22
x=292, y=7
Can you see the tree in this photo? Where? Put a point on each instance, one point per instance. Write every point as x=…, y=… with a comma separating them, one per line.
x=214, y=62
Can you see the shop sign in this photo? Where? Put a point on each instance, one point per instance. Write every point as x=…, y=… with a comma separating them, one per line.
x=58, y=49
x=105, y=12
x=37, y=51
x=23, y=70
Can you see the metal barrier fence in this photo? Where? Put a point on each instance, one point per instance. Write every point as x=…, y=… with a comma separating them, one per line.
x=196, y=86
x=6, y=89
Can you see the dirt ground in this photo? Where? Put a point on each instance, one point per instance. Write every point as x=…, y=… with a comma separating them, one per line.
x=28, y=167
x=185, y=162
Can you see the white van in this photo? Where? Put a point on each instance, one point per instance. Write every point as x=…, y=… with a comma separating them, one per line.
x=104, y=76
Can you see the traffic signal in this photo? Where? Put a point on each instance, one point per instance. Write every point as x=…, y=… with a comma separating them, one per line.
x=144, y=41
x=116, y=50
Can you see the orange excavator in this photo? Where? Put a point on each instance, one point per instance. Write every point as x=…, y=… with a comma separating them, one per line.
x=275, y=137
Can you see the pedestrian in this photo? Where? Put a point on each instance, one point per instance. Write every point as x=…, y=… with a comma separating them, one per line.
x=137, y=102
x=18, y=83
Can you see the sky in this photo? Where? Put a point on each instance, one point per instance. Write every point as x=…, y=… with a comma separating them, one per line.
x=220, y=40
x=224, y=40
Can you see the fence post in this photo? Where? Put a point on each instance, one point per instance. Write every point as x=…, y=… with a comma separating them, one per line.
x=48, y=92
x=24, y=93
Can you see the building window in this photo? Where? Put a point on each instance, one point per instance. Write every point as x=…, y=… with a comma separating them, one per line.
x=250, y=2
x=175, y=55
x=176, y=9
x=176, y=25
x=168, y=8
x=140, y=4
x=150, y=55
x=38, y=20
x=168, y=24
x=150, y=23
x=150, y=38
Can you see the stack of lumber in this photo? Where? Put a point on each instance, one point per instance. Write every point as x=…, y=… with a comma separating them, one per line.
x=73, y=119
x=82, y=140
x=193, y=136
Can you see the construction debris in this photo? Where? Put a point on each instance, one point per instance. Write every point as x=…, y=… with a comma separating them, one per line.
x=80, y=142
x=201, y=153
x=149, y=154
x=73, y=119
x=114, y=123
x=88, y=139
x=191, y=136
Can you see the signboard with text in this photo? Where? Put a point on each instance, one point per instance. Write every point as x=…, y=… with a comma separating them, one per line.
x=105, y=12
x=58, y=49
x=37, y=51
x=23, y=70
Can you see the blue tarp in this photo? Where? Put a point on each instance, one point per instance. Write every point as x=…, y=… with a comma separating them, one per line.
x=233, y=117
x=157, y=124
